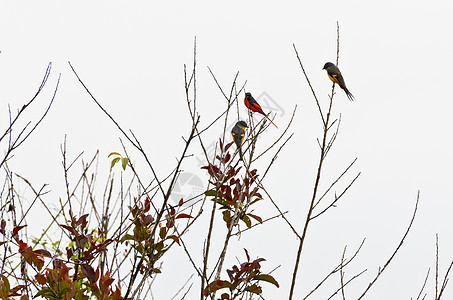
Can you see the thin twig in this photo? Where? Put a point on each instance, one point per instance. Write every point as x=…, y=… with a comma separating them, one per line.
x=239, y=232
x=347, y=282
x=337, y=197
x=14, y=144
x=423, y=286
x=335, y=181
x=437, y=264
x=342, y=274
x=381, y=270
x=336, y=269
x=309, y=83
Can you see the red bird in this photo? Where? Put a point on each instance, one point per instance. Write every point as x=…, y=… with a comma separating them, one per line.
x=251, y=104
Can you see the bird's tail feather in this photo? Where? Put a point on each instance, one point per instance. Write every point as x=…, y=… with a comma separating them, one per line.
x=271, y=121
x=348, y=93
x=241, y=157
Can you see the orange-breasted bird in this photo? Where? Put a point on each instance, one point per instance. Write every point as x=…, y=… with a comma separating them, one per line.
x=335, y=75
x=238, y=133
x=251, y=104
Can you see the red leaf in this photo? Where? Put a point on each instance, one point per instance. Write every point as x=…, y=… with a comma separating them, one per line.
x=221, y=144
x=3, y=226
x=247, y=254
x=226, y=158
x=97, y=273
x=83, y=221
x=147, y=205
x=170, y=222
x=41, y=279
x=16, y=229
x=69, y=252
x=89, y=272
x=22, y=246
x=69, y=228
x=105, y=282
x=13, y=292
x=228, y=145
x=43, y=252
x=181, y=216
x=147, y=219
x=181, y=202
x=30, y=256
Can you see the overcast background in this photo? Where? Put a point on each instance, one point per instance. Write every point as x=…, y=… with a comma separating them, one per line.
x=394, y=55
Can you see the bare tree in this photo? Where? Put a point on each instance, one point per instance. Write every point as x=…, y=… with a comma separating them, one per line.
x=330, y=132
x=111, y=232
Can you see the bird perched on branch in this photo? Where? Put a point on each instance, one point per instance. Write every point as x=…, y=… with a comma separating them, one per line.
x=238, y=133
x=335, y=75
x=251, y=104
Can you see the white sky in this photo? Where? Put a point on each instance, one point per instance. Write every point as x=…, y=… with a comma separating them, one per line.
x=395, y=57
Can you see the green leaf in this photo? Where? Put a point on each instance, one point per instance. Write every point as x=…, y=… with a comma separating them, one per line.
x=216, y=285
x=267, y=278
x=114, y=161
x=6, y=284
x=226, y=216
x=247, y=221
x=258, y=218
x=163, y=232
x=254, y=289
x=46, y=293
x=124, y=162
x=210, y=193
x=114, y=153
x=127, y=237
x=174, y=238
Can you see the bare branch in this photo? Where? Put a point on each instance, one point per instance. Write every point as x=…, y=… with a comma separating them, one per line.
x=334, y=182
x=423, y=286
x=381, y=270
x=19, y=139
x=342, y=274
x=347, y=282
x=336, y=269
x=239, y=232
x=336, y=198
x=309, y=83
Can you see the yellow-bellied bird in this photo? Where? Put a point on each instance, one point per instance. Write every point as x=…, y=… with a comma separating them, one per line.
x=238, y=133
x=335, y=75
